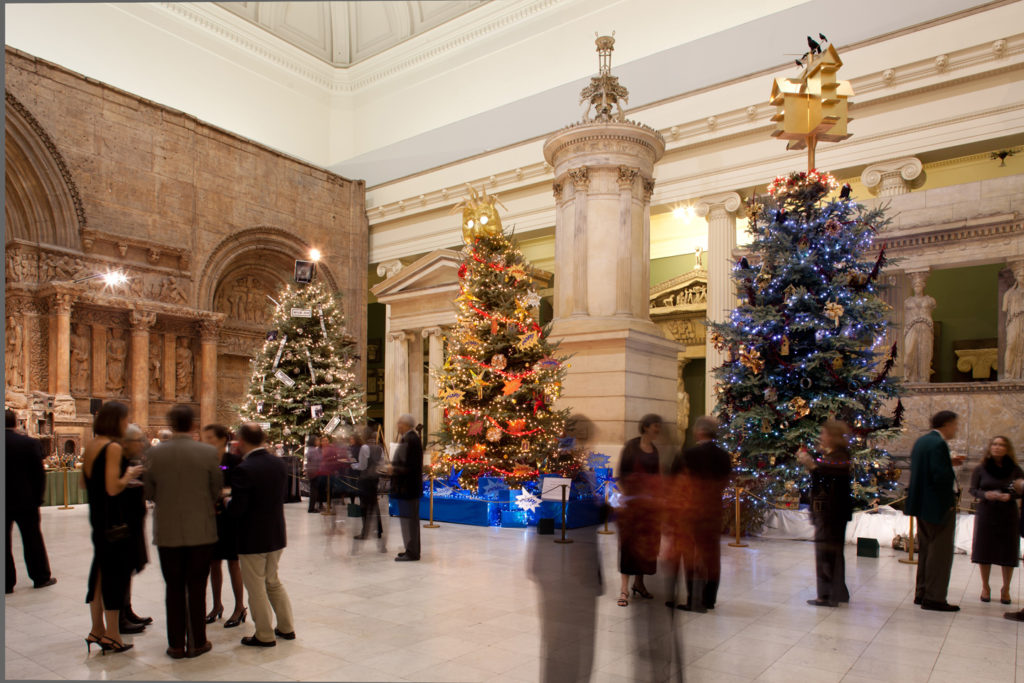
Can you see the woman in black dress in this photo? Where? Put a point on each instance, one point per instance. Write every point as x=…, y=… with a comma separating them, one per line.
x=640, y=518
x=219, y=436
x=996, y=518
x=106, y=475
x=831, y=509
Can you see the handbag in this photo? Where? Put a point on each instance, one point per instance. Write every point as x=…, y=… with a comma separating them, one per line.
x=116, y=532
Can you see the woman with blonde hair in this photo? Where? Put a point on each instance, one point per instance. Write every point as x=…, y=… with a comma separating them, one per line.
x=996, y=539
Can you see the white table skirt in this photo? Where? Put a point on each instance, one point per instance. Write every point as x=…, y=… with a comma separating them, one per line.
x=883, y=526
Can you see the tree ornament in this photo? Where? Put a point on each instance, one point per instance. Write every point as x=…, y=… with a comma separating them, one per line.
x=833, y=311
x=532, y=299
x=479, y=382
x=764, y=278
x=717, y=340
x=833, y=227
x=766, y=424
x=529, y=339
x=799, y=407
x=494, y=326
x=784, y=346
x=805, y=383
x=751, y=358
x=494, y=434
x=476, y=427
x=771, y=394
x=837, y=363
x=518, y=272
x=498, y=361
x=511, y=386
x=790, y=293
x=479, y=216
x=526, y=445
x=516, y=427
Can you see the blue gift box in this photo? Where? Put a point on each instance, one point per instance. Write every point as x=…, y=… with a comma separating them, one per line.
x=491, y=487
x=513, y=519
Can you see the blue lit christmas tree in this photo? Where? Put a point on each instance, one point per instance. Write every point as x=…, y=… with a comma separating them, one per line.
x=807, y=343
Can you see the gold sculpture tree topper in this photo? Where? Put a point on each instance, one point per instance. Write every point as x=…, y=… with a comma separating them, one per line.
x=813, y=107
x=479, y=215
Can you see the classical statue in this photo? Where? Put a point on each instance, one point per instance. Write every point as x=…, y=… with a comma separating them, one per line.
x=1013, y=306
x=15, y=354
x=682, y=404
x=184, y=370
x=80, y=360
x=919, y=334
x=154, y=367
x=117, y=352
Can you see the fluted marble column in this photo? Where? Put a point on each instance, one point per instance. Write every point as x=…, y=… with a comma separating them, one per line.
x=720, y=212
x=141, y=322
x=435, y=359
x=416, y=375
x=209, y=331
x=60, y=345
x=893, y=177
x=396, y=380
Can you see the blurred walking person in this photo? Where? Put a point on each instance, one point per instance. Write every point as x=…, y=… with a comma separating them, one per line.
x=367, y=466
x=25, y=486
x=407, y=486
x=640, y=518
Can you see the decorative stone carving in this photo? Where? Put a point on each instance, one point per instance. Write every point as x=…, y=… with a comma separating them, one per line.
x=20, y=267
x=1013, y=306
x=689, y=331
x=184, y=370
x=892, y=178
x=153, y=255
x=238, y=345
x=209, y=330
x=695, y=294
x=62, y=302
x=245, y=300
x=64, y=408
x=627, y=176
x=80, y=342
x=648, y=184
x=15, y=355
x=919, y=332
x=55, y=267
x=979, y=362
x=388, y=269
x=155, y=378
x=141, y=320
x=39, y=344
x=556, y=189
x=580, y=178
x=168, y=290
x=117, y=354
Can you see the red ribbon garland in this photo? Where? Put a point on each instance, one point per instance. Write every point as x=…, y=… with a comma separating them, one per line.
x=534, y=326
x=498, y=425
x=506, y=375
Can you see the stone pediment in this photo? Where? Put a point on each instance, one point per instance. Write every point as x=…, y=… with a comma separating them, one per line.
x=687, y=293
x=437, y=271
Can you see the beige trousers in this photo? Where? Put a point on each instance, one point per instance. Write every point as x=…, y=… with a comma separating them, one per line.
x=267, y=596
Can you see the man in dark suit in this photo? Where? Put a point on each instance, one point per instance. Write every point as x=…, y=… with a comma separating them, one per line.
x=931, y=498
x=184, y=480
x=407, y=486
x=26, y=483
x=259, y=486
x=699, y=475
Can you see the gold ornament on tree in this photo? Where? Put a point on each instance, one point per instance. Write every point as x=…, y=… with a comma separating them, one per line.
x=479, y=216
x=494, y=435
x=498, y=361
x=833, y=311
x=784, y=346
x=799, y=407
x=751, y=358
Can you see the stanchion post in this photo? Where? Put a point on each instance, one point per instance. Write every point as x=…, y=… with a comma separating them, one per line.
x=430, y=524
x=607, y=514
x=65, y=506
x=909, y=559
x=738, y=543
x=563, y=539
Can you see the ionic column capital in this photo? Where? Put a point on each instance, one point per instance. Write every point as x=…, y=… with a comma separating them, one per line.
x=388, y=269
x=428, y=332
x=718, y=204
x=893, y=177
x=399, y=336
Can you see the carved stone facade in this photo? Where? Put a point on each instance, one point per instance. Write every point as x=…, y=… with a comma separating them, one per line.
x=205, y=225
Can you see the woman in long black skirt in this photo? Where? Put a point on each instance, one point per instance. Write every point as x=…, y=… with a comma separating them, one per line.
x=996, y=539
x=640, y=518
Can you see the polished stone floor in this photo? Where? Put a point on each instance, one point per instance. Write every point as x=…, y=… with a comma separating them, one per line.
x=468, y=612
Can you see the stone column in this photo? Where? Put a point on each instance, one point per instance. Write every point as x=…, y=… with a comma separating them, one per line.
x=170, y=382
x=435, y=359
x=138, y=374
x=60, y=344
x=416, y=376
x=208, y=336
x=720, y=212
x=396, y=380
x=99, y=361
x=893, y=177
x=622, y=366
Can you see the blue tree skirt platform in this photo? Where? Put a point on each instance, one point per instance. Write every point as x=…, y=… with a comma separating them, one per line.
x=578, y=513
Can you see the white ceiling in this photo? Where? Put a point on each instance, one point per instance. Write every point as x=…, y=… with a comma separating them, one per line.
x=346, y=33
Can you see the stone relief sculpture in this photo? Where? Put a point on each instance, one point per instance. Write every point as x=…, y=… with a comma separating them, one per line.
x=19, y=267
x=80, y=360
x=117, y=353
x=245, y=300
x=919, y=331
x=39, y=344
x=15, y=355
x=170, y=291
x=155, y=383
x=53, y=267
x=184, y=370
x=1013, y=306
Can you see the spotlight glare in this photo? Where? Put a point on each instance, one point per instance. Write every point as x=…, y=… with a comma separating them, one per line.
x=314, y=255
x=114, y=278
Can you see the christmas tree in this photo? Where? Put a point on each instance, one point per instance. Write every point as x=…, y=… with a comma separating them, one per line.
x=501, y=375
x=303, y=382
x=806, y=343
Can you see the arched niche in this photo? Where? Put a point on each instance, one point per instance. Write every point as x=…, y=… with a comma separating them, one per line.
x=266, y=255
x=42, y=204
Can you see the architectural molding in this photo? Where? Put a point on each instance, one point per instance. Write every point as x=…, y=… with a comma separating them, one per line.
x=964, y=387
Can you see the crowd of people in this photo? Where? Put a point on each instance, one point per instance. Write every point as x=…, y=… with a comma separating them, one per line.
x=221, y=499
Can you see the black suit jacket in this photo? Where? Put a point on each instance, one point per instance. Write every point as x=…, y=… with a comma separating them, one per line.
x=259, y=486
x=26, y=479
x=704, y=461
x=407, y=468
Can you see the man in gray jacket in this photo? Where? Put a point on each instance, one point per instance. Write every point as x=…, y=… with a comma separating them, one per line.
x=184, y=480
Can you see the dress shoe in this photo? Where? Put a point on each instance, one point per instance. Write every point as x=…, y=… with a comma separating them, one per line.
x=406, y=558
x=131, y=629
x=1014, y=616
x=818, y=602
x=934, y=606
x=49, y=582
x=176, y=652
x=8, y=591
x=252, y=641
x=132, y=618
x=918, y=601
x=202, y=650
x=686, y=607
x=287, y=636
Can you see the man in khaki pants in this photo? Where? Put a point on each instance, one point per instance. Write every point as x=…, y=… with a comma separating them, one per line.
x=259, y=486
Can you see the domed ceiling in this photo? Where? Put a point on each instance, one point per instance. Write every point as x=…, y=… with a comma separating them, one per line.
x=345, y=33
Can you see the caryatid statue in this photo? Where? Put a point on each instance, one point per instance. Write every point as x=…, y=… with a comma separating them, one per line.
x=919, y=331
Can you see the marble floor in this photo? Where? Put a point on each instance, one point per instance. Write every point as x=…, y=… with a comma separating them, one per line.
x=469, y=612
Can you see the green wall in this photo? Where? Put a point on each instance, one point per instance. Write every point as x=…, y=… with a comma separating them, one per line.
x=694, y=381
x=967, y=306
x=671, y=266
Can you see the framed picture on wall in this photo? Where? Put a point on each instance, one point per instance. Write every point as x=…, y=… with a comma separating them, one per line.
x=373, y=351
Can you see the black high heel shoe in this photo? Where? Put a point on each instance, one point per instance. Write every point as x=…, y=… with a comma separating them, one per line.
x=215, y=614
x=92, y=639
x=113, y=646
x=231, y=623
x=642, y=592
